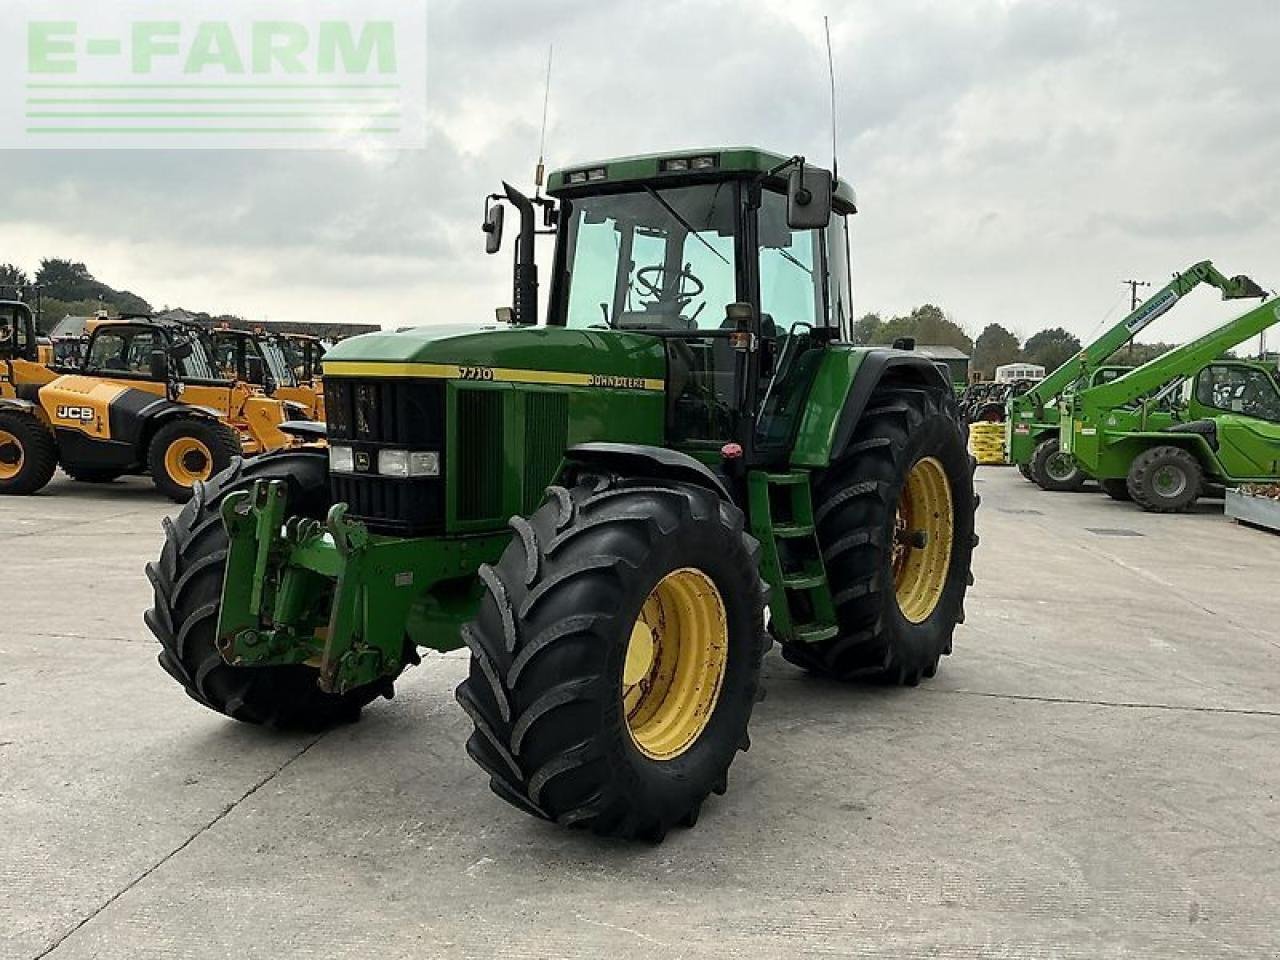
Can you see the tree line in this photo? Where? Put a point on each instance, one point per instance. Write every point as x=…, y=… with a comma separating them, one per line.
x=995, y=346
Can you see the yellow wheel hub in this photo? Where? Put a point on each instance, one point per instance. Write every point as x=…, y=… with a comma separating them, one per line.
x=188, y=460
x=675, y=664
x=923, y=536
x=12, y=456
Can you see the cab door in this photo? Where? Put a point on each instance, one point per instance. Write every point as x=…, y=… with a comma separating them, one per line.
x=805, y=304
x=1244, y=401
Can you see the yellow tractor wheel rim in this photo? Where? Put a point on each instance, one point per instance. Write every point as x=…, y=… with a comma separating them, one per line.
x=923, y=536
x=10, y=448
x=188, y=460
x=675, y=664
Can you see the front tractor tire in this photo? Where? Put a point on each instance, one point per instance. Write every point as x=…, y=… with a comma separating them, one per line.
x=895, y=521
x=615, y=658
x=188, y=451
x=1165, y=479
x=187, y=580
x=1054, y=470
x=28, y=454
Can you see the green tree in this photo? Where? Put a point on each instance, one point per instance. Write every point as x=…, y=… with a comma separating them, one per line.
x=867, y=328
x=67, y=280
x=12, y=279
x=1051, y=348
x=928, y=325
x=996, y=346
x=72, y=282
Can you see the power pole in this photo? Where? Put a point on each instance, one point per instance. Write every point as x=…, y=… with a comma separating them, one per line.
x=1133, y=286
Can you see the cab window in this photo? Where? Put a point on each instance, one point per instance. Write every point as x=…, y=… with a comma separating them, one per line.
x=653, y=259
x=1239, y=389
x=108, y=353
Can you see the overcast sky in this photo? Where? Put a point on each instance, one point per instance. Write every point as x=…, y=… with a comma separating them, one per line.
x=1015, y=159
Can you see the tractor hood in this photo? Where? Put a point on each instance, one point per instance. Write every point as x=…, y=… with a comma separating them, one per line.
x=486, y=352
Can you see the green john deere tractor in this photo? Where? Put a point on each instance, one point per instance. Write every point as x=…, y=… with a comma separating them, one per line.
x=600, y=508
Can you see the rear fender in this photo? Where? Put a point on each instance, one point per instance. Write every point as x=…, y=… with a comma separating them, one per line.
x=843, y=388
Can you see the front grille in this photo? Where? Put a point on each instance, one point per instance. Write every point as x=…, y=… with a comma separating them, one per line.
x=546, y=434
x=370, y=415
x=480, y=461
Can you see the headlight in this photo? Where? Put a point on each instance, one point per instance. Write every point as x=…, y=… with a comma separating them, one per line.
x=403, y=463
x=424, y=464
x=342, y=460
x=393, y=463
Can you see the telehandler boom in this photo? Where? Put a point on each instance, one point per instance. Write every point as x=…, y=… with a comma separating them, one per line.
x=1032, y=422
x=1224, y=426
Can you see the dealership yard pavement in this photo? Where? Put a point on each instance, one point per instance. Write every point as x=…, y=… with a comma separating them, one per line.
x=1095, y=773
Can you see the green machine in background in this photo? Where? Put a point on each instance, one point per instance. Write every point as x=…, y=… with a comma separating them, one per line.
x=1221, y=425
x=1032, y=421
x=599, y=508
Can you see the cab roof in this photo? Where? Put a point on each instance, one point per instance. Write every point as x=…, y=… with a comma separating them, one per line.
x=679, y=164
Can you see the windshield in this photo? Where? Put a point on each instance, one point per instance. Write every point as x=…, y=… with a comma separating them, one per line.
x=655, y=259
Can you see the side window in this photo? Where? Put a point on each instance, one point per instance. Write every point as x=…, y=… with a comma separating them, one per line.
x=138, y=358
x=790, y=272
x=841, y=276
x=107, y=353
x=1246, y=390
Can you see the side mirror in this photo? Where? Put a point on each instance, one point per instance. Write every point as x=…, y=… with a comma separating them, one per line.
x=808, y=199
x=493, y=218
x=160, y=366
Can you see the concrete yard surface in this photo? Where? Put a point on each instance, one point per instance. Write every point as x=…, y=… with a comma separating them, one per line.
x=1095, y=773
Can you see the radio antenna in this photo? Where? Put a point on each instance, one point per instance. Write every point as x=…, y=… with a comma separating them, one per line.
x=542, y=142
x=831, y=70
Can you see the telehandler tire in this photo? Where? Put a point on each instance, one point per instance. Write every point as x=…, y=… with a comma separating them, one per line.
x=188, y=589
x=187, y=451
x=1055, y=471
x=895, y=518
x=615, y=658
x=1116, y=489
x=28, y=454
x=1025, y=470
x=1165, y=479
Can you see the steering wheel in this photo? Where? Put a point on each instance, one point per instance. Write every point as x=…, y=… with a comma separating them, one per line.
x=652, y=283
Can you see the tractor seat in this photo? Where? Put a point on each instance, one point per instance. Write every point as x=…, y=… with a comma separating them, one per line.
x=1206, y=428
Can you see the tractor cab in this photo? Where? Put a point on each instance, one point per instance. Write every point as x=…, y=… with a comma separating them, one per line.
x=304, y=354
x=24, y=361
x=261, y=361
x=142, y=349
x=737, y=260
x=248, y=357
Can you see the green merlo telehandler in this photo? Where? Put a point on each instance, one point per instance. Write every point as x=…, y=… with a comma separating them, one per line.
x=1032, y=421
x=600, y=507
x=1220, y=425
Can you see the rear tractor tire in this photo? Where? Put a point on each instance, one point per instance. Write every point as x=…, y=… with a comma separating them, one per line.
x=1165, y=479
x=188, y=451
x=895, y=518
x=28, y=454
x=1054, y=470
x=188, y=590
x=615, y=658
